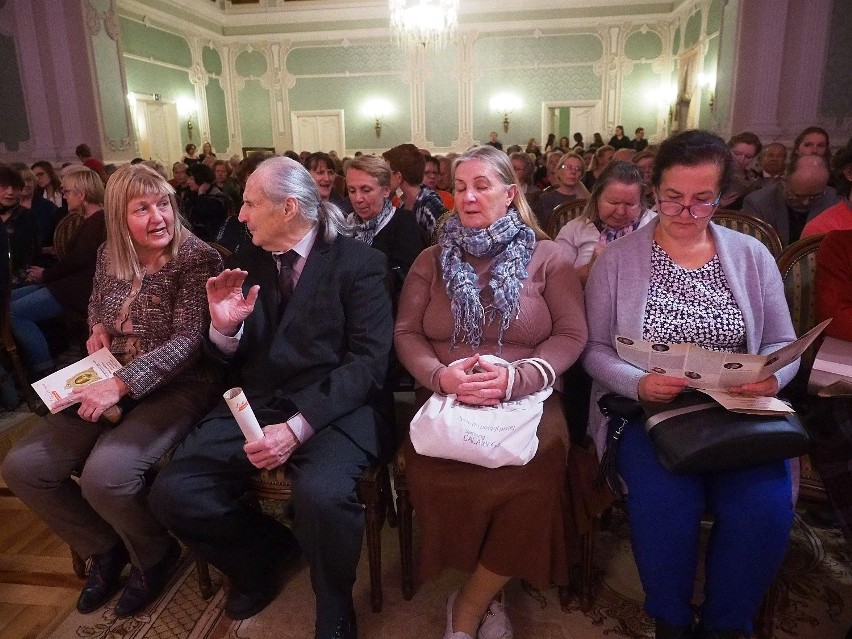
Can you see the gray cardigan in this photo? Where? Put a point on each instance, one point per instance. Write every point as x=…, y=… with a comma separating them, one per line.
x=617, y=292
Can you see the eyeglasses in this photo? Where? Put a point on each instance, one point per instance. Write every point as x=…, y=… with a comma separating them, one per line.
x=698, y=211
x=802, y=199
x=570, y=168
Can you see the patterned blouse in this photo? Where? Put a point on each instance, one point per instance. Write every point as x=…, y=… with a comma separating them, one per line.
x=692, y=305
x=157, y=324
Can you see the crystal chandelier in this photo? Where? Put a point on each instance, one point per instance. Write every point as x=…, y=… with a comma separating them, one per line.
x=426, y=23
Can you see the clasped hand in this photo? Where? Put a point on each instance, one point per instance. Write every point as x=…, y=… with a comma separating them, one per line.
x=475, y=381
x=274, y=449
x=228, y=306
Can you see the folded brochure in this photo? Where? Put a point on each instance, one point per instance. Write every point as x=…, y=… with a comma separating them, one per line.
x=59, y=385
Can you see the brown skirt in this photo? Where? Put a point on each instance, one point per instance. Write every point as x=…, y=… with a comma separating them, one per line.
x=516, y=521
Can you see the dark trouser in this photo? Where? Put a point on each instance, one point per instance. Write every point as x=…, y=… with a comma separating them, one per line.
x=753, y=515
x=198, y=494
x=109, y=505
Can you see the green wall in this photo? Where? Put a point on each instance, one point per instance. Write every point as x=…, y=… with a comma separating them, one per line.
x=13, y=125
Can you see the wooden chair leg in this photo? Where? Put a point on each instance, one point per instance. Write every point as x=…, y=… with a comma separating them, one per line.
x=406, y=551
x=205, y=585
x=370, y=493
x=387, y=496
x=79, y=565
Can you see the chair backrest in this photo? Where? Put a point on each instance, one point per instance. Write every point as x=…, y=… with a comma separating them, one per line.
x=439, y=225
x=750, y=225
x=562, y=214
x=66, y=229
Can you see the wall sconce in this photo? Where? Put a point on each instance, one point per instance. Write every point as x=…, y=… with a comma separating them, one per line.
x=506, y=104
x=186, y=108
x=376, y=109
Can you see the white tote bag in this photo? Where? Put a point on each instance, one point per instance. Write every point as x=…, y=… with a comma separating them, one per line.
x=489, y=436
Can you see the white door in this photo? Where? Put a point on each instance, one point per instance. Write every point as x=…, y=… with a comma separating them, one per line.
x=584, y=116
x=158, y=132
x=583, y=120
x=318, y=131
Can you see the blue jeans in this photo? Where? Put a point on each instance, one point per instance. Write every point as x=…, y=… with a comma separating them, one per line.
x=31, y=304
x=752, y=516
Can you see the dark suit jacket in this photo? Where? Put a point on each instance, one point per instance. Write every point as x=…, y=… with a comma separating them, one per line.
x=328, y=355
x=769, y=204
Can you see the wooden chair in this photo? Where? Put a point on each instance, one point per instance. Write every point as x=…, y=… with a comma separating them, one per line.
x=66, y=229
x=750, y=225
x=374, y=492
x=562, y=214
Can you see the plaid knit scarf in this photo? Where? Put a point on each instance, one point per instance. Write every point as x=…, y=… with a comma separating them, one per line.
x=510, y=243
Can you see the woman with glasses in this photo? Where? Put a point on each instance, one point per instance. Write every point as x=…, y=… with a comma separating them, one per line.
x=47, y=182
x=682, y=279
x=614, y=209
x=149, y=308
x=569, y=172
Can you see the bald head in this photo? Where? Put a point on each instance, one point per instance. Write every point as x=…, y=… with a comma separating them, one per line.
x=625, y=155
x=807, y=178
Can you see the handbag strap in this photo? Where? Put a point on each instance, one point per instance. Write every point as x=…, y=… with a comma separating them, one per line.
x=548, y=375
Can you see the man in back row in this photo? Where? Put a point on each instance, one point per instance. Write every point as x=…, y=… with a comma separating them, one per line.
x=302, y=322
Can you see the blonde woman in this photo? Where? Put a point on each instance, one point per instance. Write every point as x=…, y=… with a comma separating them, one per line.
x=149, y=307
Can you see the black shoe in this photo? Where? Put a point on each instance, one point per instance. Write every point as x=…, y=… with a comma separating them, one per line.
x=664, y=630
x=144, y=586
x=102, y=580
x=245, y=602
x=346, y=628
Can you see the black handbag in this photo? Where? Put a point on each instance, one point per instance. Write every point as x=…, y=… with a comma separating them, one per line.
x=694, y=434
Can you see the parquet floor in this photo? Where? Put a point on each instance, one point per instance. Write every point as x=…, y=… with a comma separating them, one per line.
x=37, y=584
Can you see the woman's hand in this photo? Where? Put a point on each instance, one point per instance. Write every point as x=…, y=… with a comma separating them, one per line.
x=660, y=388
x=274, y=449
x=99, y=339
x=768, y=387
x=228, y=307
x=35, y=274
x=475, y=381
x=95, y=398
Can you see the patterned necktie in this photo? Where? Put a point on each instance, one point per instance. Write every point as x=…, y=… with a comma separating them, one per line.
x=285, y=278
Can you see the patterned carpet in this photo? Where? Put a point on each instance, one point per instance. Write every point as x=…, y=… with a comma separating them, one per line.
x=816, y=601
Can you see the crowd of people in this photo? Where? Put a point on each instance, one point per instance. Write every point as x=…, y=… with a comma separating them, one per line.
x=341, y=272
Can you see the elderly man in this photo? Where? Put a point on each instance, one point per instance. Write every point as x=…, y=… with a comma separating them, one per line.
x=788, y=205
x=302, y=322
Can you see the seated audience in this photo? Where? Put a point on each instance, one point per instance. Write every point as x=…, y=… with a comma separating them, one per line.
x=309, y=346
x=645, y=161
x=524, y=168
x=839, y=216
x=407, y=163
x=431, y=176
x=493, y=141
x=550, y=143
x=569, y=174
x=790, y=204
x=615, y=208
x=20, y=224
x=228, y=185
x=772, y=161
x=494, y=524
x=206, y=152
x=603, y=156
x=597, y=142
x=744, y=148
x=377, y=222
x=578, y=143
x=207, y=209
x=564, y=144
x=148, y=308
x=619, y=140
x=639, y=142
x=548, y=175
x=321, y=167
x=813, y=140
x=445, y=178
x=67, y=284
x=623, y=155
x=45, y=212
x=681, y=279
x=47, y=182
x=84, y=154
x=190, y=157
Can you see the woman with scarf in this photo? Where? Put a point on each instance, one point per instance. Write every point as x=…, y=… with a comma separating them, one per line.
x=615, y=208
x=394, y=232
x=493, y=285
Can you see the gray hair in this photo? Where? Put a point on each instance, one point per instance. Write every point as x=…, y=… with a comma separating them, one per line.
x=281, y=177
